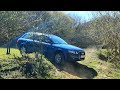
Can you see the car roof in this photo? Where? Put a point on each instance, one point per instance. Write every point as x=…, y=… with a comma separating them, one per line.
x=38, y=33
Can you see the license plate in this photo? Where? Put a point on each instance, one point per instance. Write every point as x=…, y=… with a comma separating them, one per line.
x=82, y=56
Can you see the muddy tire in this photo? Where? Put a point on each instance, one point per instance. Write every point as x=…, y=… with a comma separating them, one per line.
x=23, y=51
x=59, y=58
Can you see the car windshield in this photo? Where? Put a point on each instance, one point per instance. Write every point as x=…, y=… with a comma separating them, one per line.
x=58, y=40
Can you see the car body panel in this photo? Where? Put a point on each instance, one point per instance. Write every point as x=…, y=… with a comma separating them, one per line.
x=50, y=49
x=68, y=46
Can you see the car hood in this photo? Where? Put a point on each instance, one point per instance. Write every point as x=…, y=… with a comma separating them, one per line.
x=67, y=46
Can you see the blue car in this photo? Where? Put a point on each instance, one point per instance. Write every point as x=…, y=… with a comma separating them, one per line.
x=51, y=46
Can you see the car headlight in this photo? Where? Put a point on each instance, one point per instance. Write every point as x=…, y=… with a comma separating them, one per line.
x=73, y=52
x=82, y=53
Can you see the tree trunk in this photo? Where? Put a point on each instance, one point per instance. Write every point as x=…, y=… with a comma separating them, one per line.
x=8, y=49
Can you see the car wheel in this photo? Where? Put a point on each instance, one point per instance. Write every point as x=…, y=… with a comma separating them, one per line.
x=23, y=51
x=59, y=59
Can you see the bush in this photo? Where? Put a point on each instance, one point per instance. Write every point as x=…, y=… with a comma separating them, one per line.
x=110, y=57
x=102, y=54
x=39, y=68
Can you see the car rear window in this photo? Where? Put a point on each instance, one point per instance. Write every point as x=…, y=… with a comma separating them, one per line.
x=28, y=36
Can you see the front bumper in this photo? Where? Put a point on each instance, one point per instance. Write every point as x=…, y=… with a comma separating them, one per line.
x=76, y=57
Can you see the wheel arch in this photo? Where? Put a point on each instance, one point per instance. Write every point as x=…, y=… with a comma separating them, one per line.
x=22, y=45
x=60, y=51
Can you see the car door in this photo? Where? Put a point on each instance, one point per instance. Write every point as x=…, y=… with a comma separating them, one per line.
x=28, y=42
x=37, y=43
x=47, y=47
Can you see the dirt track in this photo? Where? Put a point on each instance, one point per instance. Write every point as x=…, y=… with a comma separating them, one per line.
x=77, y=70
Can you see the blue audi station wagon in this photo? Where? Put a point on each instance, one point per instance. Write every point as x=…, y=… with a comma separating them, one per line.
x=51, y=46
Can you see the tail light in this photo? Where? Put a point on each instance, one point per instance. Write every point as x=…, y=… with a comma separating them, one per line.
x=17, y=41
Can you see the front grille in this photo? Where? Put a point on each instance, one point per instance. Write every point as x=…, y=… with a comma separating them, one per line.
x=81, y=53
x=76, y=57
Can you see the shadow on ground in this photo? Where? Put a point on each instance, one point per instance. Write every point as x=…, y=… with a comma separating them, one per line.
x=78, y=69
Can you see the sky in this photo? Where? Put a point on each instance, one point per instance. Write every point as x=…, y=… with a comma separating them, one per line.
x=85, y=15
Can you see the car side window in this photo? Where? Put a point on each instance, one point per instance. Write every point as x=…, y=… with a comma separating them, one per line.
x=36, y=37
x=28, y=36
x=46, y=39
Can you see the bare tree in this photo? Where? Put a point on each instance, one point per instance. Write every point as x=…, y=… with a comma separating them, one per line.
x=105, y=30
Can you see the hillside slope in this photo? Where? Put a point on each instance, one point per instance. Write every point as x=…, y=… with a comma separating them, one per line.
x=90, y=68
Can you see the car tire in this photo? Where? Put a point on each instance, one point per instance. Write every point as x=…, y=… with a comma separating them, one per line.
x=59, y=58
x=23, y=51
